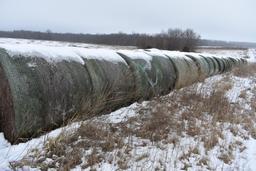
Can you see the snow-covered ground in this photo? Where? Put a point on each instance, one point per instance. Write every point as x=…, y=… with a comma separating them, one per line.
x=174, y=132
x=249, y=54
x=58, y=43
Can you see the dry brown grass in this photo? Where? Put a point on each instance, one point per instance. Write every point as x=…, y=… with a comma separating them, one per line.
x=226, y=157
x=210, y=141
x=93, y=159
x=189, y=153
x=66, y=150
x=158, y=125
x=203, y=161
x=163, y=118
x=245, y=70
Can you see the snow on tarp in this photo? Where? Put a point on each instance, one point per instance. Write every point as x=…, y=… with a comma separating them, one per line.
x=136, y=54
x=157, y=52
x=100, y=54
x=50, y=54
x=251, y=54
x=58, y=54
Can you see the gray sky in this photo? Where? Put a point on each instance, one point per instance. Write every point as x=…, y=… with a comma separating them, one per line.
x=214, y=19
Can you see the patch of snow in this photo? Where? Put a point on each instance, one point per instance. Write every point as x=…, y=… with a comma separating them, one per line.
x=136, y=54
x=251, y=53
x=57, y=43
x=101, y=54
x=235, y=53
x=58, y=54
x=31, y=65
x=10, y=153
x=240, y=84
x=206, y=88
x=156, y=52
x=123, y=114
x=249, y=156
x=50, y=54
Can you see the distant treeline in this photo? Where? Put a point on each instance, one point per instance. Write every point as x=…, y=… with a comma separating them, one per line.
x=226, y=44
x=173, y=39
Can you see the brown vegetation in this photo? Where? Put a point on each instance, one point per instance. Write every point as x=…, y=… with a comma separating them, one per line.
x=245, y=70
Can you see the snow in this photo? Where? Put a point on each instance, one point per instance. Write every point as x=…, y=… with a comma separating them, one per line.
x=10, y=153
x=121, y=115
x=239, y=85
x=179, y=54
x=58, y=54
x=136, y=54
x=32, y=65
x=54, y=51
x=50, y=54
x=174, y=53
x=249, y=156
x=100, y=54
x=157, y=52
x=251, y=53
x=235, y=53
x=206, y=88
x=59, y=44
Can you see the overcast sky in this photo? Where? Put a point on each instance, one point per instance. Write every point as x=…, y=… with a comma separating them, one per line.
x=214, y=19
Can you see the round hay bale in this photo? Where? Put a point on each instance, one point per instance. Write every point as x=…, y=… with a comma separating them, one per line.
x=244, y=61
x=201, y=64
x=221, y=64
x=48, y=92
x=210, y=65
x=216, y=65
x=113, y=83
x=165, y=71
x=142, y=72
x=228, y=64
x=187, y=71
x=213, y=64
x=155, y=74
x=231, y=61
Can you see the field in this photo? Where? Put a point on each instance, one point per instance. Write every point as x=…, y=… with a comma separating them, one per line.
x=210, y=125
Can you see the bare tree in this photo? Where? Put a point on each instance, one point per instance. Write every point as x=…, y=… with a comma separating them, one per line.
x=191, y=39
